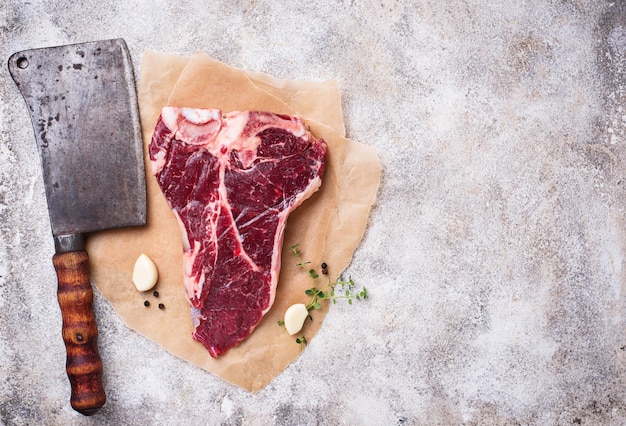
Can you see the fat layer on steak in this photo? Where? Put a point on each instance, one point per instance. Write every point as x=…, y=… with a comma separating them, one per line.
x=231, y=181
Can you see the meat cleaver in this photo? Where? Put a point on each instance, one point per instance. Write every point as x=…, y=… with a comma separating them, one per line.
x=83, y=107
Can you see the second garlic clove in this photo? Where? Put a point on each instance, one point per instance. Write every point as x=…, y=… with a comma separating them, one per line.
x=145, y=273
x=294, y=317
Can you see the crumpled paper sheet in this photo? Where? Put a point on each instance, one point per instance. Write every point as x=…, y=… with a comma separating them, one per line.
x=328, y=226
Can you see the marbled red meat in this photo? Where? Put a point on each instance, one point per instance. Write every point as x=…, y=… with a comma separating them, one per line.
x=231, y=181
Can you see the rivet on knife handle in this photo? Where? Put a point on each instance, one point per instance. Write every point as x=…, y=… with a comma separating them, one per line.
x=80, y=332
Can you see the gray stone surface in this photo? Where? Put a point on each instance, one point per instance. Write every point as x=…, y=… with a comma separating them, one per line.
x=494, y=255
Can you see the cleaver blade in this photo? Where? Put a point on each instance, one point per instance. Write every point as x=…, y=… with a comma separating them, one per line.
x=83, y=107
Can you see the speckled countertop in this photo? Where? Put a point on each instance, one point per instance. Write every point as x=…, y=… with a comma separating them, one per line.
x=494, y=256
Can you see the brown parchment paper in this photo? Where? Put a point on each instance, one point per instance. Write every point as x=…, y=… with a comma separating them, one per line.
x=328, y=227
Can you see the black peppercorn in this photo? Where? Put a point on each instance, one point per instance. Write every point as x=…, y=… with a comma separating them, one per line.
x=146, y=303
x=324, y=265
x=161, y=306
x=155, y=293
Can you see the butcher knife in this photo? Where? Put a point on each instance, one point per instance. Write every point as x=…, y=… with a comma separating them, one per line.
x=83, y=107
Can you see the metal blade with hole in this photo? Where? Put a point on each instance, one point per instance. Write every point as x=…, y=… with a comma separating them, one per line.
x=83, y=107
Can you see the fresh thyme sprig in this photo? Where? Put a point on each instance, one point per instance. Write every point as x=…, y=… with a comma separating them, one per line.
x=340, y=289
x=302, y=264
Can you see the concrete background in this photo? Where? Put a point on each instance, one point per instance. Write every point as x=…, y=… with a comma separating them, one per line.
x=494, y=255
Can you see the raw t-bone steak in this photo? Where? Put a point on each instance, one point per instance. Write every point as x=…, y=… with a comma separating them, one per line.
x=231, y=181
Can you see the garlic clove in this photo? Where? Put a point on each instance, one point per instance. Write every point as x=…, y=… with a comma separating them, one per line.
x=145, y=273
x=294, y=317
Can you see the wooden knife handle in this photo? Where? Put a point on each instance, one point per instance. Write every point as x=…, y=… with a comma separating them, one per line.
x=80, y=332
